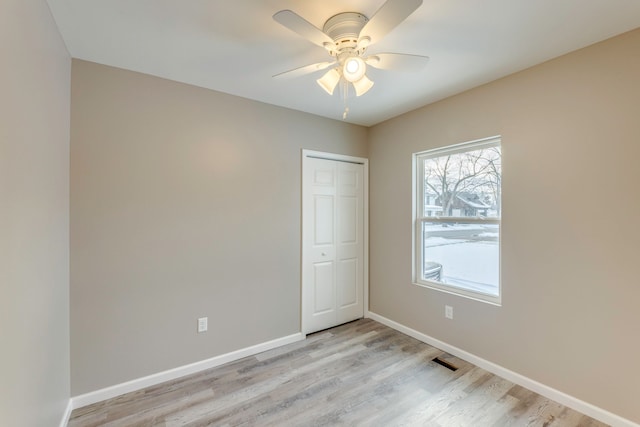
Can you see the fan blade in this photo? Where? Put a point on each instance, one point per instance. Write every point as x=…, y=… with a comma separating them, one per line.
x=397, y=61
x=301, y=26
x=305, y=70
x=389, y=16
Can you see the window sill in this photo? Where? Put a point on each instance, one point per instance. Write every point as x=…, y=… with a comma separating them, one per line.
x=488, y=299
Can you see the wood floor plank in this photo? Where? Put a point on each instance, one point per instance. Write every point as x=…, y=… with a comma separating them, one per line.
x=358, y=374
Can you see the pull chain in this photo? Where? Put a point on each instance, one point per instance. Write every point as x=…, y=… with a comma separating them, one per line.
x=345, y=95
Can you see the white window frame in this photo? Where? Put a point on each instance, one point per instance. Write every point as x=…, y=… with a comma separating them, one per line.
x=418, y=220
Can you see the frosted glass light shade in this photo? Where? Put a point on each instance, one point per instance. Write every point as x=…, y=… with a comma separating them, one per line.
x=362, y=86
x=329, y=81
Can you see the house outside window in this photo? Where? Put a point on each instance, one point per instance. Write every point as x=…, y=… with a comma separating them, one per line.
x=457, y=209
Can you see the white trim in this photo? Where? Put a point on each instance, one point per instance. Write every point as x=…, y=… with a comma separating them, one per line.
x=334, y=156
x=366, y=240
x=171, y=374
x=418, y=221
x=542, y=389
x=67, y=414
x=488, y=142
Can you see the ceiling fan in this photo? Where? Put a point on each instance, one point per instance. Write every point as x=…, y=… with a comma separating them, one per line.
x=346, y=37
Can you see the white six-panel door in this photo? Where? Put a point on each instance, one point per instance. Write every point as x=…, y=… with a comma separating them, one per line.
x=333, y=248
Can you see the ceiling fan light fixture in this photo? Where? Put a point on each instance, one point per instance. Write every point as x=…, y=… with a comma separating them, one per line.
x=354, y=69
x=362, y=86
x=346, y=37
x=329, y=81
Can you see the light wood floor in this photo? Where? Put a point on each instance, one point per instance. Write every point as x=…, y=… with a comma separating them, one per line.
x=361, y=373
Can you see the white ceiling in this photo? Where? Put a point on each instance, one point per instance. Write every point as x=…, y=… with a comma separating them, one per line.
x=236, y=47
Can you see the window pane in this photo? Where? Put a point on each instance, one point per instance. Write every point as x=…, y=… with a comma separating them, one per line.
x=458, y=209
x=465, y=256
x=463, y=184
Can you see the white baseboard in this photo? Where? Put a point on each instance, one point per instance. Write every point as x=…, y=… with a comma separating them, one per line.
x=67, y=414
x=172, y=374
x=546, y=391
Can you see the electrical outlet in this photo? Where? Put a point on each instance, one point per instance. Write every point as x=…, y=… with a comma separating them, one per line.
x=448, y=312
x=203, y=324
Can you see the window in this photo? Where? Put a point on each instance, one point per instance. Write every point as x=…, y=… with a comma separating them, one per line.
x=457, y=219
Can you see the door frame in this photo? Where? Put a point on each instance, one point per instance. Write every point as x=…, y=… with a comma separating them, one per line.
x=365, y=211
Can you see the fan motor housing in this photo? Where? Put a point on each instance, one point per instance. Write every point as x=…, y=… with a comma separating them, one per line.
x=344, y=29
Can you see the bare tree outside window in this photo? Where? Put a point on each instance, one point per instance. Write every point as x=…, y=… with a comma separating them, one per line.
x=471, y=178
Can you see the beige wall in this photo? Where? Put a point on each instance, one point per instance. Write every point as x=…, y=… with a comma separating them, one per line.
x=34, y=216
x=570, y=232
x=185, y=203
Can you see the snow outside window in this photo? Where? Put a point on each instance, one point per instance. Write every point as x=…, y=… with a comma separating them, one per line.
x=457, y=219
